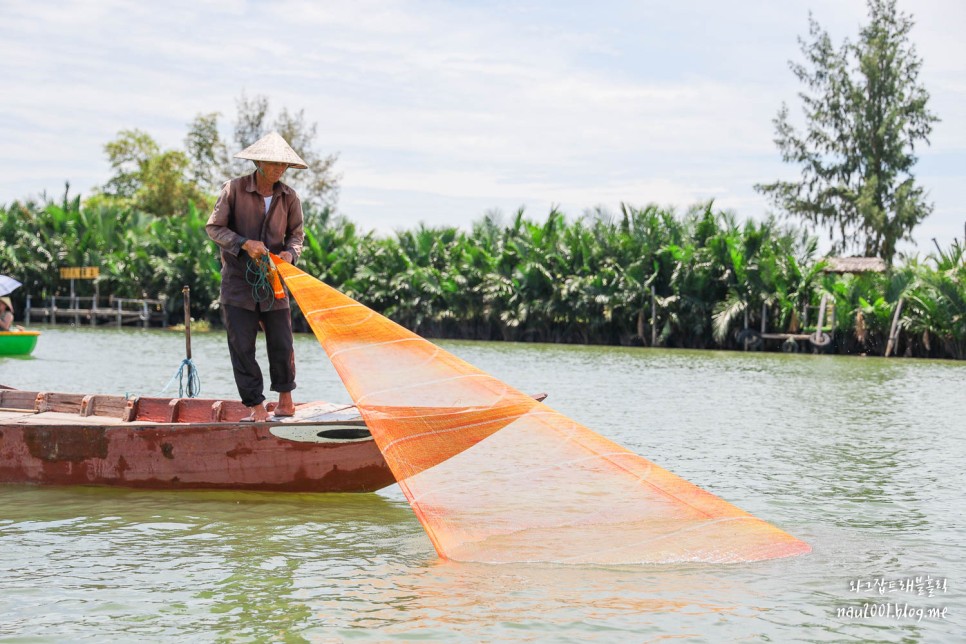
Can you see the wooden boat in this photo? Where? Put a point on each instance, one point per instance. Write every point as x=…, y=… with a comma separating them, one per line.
x=181, y=443
x=18, y=343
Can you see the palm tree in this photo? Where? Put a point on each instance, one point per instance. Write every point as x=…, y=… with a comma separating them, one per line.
x=937, y=303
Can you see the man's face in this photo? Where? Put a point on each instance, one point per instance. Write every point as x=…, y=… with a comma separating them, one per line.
x=272, y=171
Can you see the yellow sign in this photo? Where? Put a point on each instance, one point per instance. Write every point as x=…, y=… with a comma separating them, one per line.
x=80, y=273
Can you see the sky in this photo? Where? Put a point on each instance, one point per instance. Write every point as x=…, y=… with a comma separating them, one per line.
x=443, y=111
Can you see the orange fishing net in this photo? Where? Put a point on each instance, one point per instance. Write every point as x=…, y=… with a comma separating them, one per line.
x=495, y=476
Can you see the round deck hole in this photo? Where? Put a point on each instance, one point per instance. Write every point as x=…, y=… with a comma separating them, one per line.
x=345, y=433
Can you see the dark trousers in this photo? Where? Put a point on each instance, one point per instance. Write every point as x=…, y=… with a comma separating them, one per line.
x=242, y=326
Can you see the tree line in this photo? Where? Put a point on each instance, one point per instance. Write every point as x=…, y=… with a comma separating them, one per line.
x=640, y=277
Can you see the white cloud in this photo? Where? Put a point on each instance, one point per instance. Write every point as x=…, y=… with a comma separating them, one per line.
x=450, y=109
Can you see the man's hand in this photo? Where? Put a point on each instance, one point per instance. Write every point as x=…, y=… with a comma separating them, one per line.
x=255, y=248
x=286, y=256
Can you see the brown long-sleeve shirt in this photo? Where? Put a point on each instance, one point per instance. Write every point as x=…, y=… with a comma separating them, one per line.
x=239, y=215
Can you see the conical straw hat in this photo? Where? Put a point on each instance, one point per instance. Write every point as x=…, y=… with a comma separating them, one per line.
x=272, y=148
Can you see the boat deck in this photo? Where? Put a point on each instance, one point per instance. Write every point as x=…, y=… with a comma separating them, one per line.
x=20, y=417
x=19, y=407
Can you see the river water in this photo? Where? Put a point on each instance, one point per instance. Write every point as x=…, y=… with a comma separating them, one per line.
x=863, y=458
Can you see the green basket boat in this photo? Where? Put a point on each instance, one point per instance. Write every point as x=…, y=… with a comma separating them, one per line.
x=17, y=343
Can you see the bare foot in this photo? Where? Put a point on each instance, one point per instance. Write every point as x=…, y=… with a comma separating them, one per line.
x=258, y=414
x=285, y=406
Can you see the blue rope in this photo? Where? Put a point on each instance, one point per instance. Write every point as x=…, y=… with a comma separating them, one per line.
x=194, y=380
x=256, y=275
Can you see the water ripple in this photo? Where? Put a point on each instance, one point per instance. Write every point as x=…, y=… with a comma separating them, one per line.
x=861, y=458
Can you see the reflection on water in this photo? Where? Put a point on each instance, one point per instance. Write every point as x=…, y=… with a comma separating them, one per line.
x=861, y=458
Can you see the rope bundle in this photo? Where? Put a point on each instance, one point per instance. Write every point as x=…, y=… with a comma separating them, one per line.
x=263, y=278
x=193, y=385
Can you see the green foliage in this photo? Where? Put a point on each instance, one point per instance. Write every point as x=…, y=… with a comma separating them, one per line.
x=936, y=315
x=138, y=255
x=865, y=113
x=148, y=179
x=552, y=280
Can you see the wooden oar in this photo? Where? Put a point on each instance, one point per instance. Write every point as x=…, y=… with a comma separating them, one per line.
x=194, y=381
x=187, y=321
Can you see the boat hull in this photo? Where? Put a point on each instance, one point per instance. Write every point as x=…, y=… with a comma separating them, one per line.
x=18, y=343
x=244, y=458
x=330, y=452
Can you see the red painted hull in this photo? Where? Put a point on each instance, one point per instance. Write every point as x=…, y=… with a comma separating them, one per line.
x=164, y=444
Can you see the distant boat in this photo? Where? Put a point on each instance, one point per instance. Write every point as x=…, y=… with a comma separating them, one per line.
x=18, y=343
x=183, y=443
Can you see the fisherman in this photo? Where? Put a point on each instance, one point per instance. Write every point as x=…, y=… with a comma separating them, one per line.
x=254, y=215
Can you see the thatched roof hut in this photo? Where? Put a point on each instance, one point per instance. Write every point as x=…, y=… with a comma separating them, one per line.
x=855, y=265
